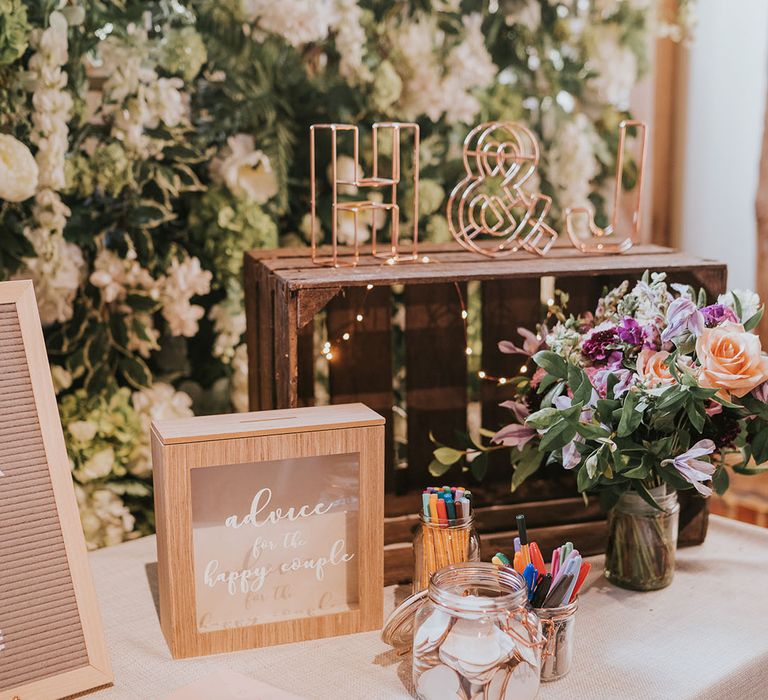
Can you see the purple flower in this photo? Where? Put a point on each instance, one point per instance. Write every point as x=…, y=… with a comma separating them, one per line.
x=531, y=342
x=761, y=392
x=715, y=314
x=599, y=345
x=682, y=316
x=515, y=434
x=599, y=379
x=695, y=471
x=571, y=455
x=630, y=331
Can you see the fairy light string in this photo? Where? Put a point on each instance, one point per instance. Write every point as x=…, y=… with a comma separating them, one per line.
x=329, y=347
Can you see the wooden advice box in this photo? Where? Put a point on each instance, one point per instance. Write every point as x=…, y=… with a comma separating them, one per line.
x=269, y=527
x=51, y=640
x=285, y=293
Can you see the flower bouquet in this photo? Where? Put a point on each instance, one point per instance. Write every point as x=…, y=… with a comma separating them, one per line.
x=654, y=393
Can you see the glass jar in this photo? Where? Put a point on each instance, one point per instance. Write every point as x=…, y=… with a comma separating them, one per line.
x=559, y=626
x=475, y=636
x=438, y=545
x=642, y=541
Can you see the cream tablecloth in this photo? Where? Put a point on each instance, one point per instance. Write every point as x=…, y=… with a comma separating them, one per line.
x=706, y=636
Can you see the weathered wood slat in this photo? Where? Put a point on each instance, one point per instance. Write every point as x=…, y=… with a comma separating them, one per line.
x=436, y=375
x=361, y=368
x=299, y=273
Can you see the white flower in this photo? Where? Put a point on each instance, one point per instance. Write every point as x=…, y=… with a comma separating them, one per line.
x=470, y=67
x=62, y=379
x=184, y=279
x=98, y=466
x=105, y=518
x=350, y=41
x=572, y=164
x=434, y=89
x=116, y=277
x=749, y=300
x=239, y=384
x=165, y=102
x=228, y=319
x=55, y=270
x=161, y=401
x=298, y=21
x=246, y=171
x=614, y=64
x=83, y=430
x=345, y=231
x=305, y=227
x=529, y=15
x=345, y=172
x=18, y=170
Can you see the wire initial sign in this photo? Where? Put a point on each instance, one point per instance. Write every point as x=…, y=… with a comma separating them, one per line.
x=386, y=183
x=608, y=239
x=489, y=212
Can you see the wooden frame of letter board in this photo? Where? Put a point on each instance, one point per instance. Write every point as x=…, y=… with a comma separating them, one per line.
x=178, y=446
x=49, y=616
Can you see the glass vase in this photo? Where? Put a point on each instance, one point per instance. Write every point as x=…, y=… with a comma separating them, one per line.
x=642, y=541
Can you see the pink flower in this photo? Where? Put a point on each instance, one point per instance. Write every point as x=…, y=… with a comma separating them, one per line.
x=652, y=370
x=731, y=360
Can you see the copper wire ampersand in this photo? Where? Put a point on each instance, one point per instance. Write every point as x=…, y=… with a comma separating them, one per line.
x=489, y=211
x=386, y=183
x=608, y=239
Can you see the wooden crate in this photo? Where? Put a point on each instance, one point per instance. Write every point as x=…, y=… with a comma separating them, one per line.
x=285, y=291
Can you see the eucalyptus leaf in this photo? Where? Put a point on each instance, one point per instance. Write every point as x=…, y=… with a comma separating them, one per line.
x=542, y=418
x=528, y=461
x=552, y=363
x=754, y=319
x=720, y=480
x=447, y=455
x=557, y=436
x=437, y=468
x=630, y=417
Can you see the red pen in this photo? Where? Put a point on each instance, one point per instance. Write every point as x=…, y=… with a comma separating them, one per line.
x=536, y=559
x=442, y=512
x=583, y=571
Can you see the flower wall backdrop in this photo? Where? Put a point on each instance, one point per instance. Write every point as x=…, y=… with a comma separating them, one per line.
x=146, y=145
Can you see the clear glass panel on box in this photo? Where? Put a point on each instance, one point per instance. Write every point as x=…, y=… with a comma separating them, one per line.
x=275, y=540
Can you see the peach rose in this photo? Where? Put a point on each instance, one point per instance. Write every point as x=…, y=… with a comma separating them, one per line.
x=731, y=360
x=652, y=370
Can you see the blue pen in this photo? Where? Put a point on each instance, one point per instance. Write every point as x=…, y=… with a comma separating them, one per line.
x=528, y=574
x=450, y=507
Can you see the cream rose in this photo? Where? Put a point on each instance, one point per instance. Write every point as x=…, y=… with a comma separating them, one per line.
x=246, y=171
x=731, y=360
x=652, y=370
x=18, y=170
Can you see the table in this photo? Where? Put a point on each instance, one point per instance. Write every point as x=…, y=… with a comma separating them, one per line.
x=704, y=637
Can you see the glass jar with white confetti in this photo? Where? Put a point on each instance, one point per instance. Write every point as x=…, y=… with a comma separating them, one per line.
x=475, y=637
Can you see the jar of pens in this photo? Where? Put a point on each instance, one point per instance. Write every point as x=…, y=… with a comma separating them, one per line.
x=553, y=595
x=446, y=534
